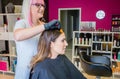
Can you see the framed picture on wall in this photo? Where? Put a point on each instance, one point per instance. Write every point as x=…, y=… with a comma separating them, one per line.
x=87, y=25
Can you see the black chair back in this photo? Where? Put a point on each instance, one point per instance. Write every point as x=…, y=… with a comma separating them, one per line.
x=96, y=68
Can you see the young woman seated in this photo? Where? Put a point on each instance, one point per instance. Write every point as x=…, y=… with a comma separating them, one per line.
x=50, y=61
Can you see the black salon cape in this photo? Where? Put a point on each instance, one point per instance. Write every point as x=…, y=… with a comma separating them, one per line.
x=59, y=68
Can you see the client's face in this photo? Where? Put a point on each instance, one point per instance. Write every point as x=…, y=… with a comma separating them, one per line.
x=59, y=46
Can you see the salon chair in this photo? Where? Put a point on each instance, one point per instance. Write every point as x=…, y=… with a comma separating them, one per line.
x=95, y=65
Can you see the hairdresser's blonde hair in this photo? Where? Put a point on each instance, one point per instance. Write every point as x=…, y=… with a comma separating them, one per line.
x=26, y=10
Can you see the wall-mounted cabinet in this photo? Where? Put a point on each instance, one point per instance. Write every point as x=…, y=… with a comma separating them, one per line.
x=116, y=23
x=116, y=47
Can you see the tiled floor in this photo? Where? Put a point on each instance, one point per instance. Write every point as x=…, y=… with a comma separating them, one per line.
x=3, y=76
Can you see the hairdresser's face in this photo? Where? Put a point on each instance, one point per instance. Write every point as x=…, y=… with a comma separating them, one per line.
x=59, y=46
x=37, y=9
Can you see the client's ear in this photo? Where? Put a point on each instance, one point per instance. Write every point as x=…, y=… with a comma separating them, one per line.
x=51, y=44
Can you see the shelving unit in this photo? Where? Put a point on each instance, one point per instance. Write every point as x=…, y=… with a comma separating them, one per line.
x=81, y=42
x=116, y=53
x=101, y=43
x=8, y=53
x=116, y=23
x=96, y=43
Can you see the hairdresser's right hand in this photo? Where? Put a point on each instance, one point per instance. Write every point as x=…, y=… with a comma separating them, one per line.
x=54, y=24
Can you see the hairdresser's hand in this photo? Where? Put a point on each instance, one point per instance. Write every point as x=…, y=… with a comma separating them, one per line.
x=54, y=24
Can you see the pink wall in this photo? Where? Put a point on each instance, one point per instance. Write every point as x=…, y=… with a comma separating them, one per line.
x=89, y=8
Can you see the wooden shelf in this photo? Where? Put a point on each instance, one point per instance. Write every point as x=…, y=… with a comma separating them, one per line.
x=11, y=57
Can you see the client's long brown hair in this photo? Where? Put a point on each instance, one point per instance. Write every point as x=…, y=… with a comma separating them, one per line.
x=44, y=45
